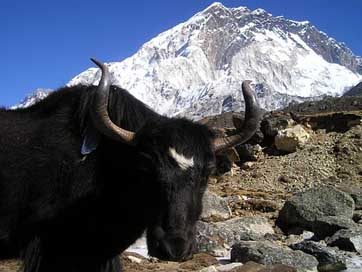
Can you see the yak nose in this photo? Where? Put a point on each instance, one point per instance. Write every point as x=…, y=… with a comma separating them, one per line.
x=177, y=248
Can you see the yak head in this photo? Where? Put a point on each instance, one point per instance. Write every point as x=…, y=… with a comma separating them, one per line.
x=181, y=154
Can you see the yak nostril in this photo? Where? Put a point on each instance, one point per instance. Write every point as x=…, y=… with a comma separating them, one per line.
x=178, y=247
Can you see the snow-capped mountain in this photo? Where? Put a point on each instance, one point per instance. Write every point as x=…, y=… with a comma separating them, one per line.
x=32, y=98
x=196, y=68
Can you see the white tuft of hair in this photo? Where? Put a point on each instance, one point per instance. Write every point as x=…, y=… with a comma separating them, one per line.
x=181, y=160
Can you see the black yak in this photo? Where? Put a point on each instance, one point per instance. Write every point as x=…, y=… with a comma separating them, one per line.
x=87, y=170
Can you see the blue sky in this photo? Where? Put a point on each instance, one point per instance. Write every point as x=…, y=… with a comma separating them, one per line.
x=43, y=44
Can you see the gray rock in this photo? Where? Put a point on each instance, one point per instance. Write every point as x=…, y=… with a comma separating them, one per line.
x=215, y=238
x=228, y=267
x=305, y=208
x=209, y=269
x=329, y=225
x=270, y=125
x=347, y=239
x=357, y=215
x=294, y=239
x=355, y=192
x=249, y=152
x=357, y=197
x=265, y=252
x=289, y=139
x=354, y=262
x=329, y=259
x=214, y=207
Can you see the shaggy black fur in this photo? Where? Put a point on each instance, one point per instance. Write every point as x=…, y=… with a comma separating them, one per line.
x=64, y=211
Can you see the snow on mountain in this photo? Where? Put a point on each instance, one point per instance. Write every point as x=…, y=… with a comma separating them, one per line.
x=32, y=98
x=196, y=68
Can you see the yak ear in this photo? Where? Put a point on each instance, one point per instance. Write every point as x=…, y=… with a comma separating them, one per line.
x=91, y=139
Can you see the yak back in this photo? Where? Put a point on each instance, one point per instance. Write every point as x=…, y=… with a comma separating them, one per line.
x=42, y=170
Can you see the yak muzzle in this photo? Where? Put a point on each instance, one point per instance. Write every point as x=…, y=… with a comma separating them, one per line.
x=170, y=247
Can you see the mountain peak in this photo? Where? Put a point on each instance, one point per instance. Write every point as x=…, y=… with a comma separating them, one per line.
x=196, y=68
x=260, y=11
x=215, y=6
x=32, y=98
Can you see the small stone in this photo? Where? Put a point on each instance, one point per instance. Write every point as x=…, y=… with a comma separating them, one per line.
x=209, y=269
x=134, y=259
x=294, y=239
x=214, y=207
x=228, y=267
x=247, y=165
x=249, y=267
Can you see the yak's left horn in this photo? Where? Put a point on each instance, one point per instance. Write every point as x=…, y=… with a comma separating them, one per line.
x=99, y=113
x=253, y=115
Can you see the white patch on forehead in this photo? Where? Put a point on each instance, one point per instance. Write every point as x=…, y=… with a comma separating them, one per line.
x=181, y=160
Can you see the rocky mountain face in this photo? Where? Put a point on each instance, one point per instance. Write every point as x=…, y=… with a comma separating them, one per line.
x=355, y=91
x=196, y=68
x=31, y=99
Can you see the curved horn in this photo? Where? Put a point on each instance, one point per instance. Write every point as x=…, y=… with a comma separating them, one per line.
x=252, y=119
x=99, y=114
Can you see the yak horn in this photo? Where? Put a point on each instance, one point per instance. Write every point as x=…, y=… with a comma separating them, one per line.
x=99, y=114
x=253, y=115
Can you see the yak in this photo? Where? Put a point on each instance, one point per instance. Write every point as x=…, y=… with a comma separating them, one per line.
x=87, y=170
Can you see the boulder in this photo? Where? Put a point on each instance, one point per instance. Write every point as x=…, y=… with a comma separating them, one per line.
x=217, y=238
x=347, y=239
x=328, y=225
x=355, y=192
x=265, y=252
x=214, y=207
x=288, y=140
x=305, y=209
x=329, y=259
